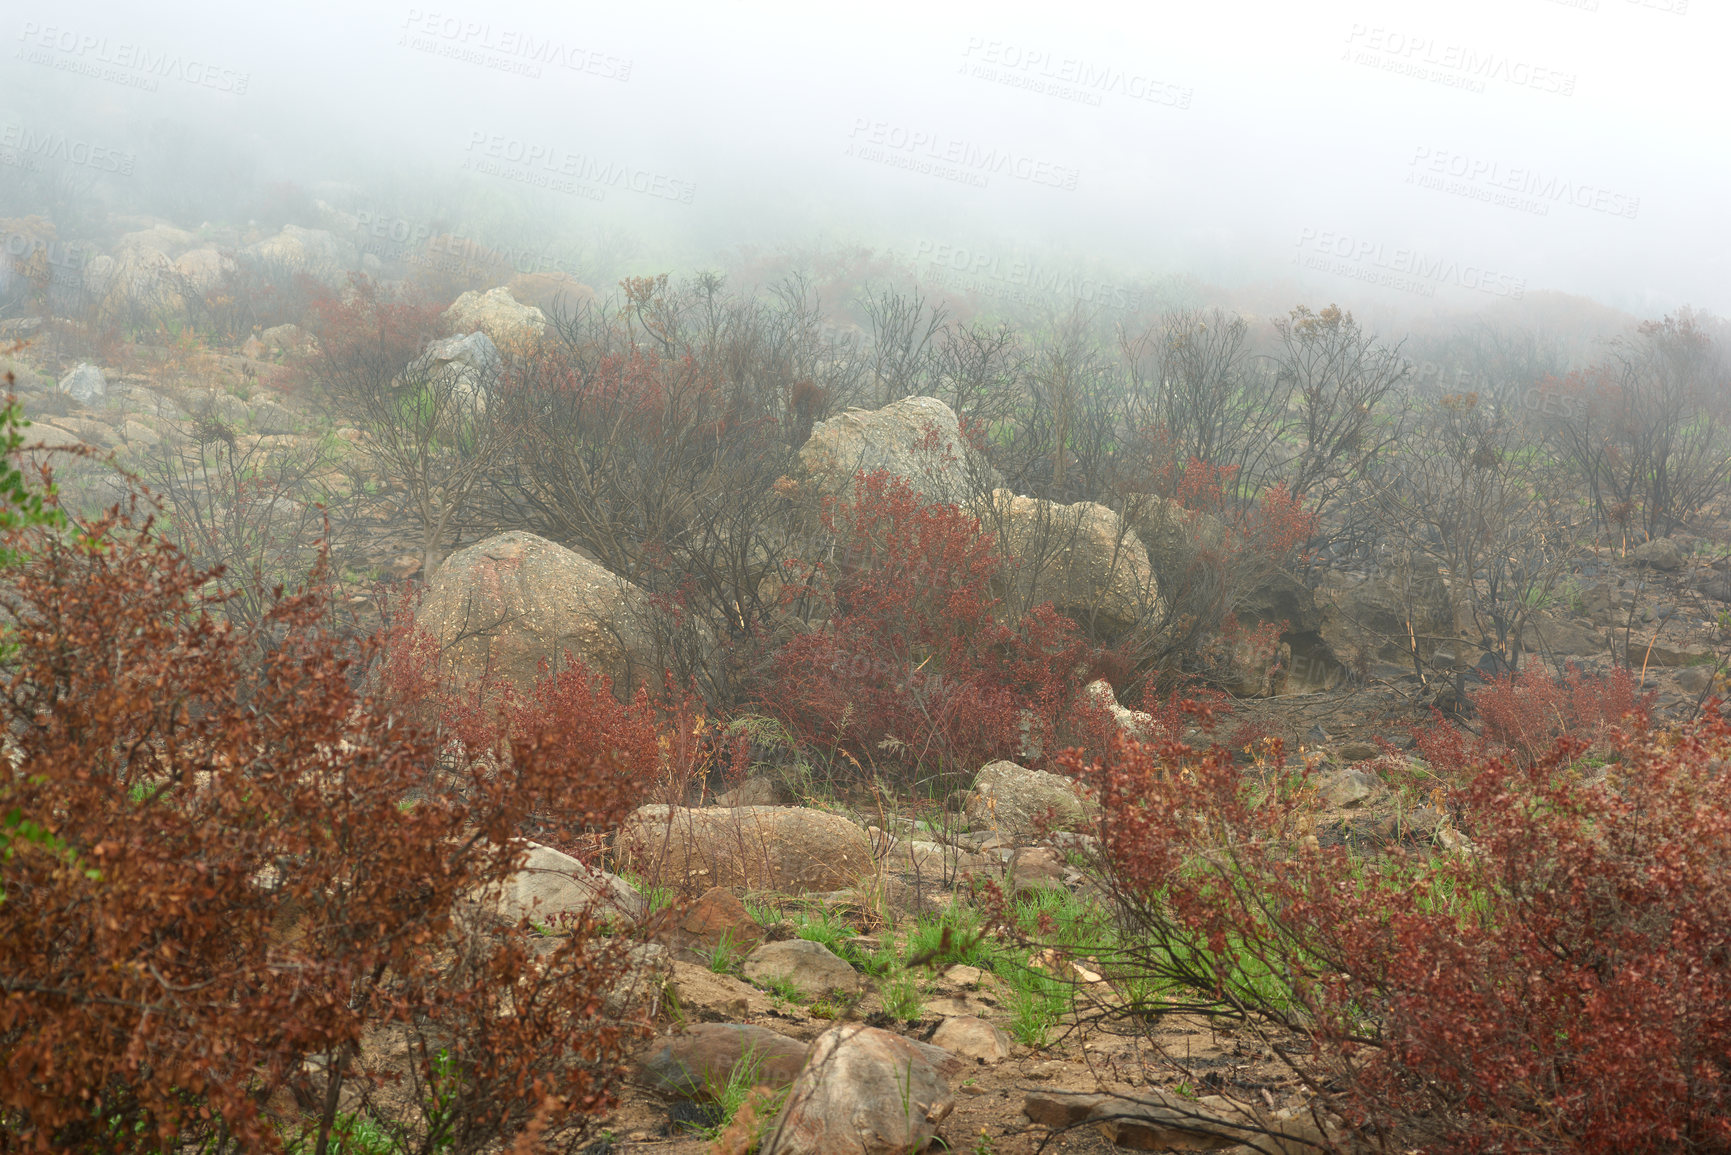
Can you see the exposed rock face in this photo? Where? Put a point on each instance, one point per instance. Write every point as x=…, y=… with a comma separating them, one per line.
x=811, y=967
x=1381, y=616
x=1189, y=548
x=554, y=888
x=1010, y=799
x=164, y=240
x=510, y=324
x=697, y=1062
x=864, y=1091
x=286, y=338
x=470, y=363
x=201, y=270
x=916, y=439
x=789, y=849
x=1082, y=558
x=85, y=384
x=502, y=608
x=552, y=291
x=316, y=252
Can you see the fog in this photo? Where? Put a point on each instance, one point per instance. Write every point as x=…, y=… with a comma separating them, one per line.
x=1403, y=159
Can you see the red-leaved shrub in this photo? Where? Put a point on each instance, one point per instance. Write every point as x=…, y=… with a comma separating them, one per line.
x=223, y=868
x=1524, y=713
x=912, y=661
x=1561, y=983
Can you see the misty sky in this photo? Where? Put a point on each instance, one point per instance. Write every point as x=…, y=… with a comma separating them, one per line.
x=1437, y=155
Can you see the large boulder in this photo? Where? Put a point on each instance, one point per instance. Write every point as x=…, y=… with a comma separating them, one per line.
x=790, y=849
x=811, y=967
x=1082, y=558
x=514, y=606
x=916, y=439
x=864, y=1091
x=201, y=270
x=699, y=1061
x=317, y=252
x=552, y=889
x=1384, y=615
x=552, y=291
x=85, y=384
x=163, y=239
x=1013, y=800
x=134, y=280
x=1193, y=551
x=1176, y=538
x=510, y=324
x=470, y=363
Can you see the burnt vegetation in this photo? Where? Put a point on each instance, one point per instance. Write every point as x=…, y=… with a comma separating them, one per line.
x=255, y=817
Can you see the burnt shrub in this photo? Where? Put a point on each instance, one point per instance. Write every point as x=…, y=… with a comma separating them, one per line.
x=233, y=868
x=1559, y=982
x=911, y=660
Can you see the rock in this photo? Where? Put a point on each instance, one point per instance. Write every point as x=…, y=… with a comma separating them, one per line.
x=85, y=384
x=469, y=363
x=639, y=986
x=1661, y=554
x=810, y=966
x=273, y=420
x=971, y=1037
x=202, y=270
x=916, y=439
x=1189, y=550
x=285, y=338
x=700, y=927
x=760, y=791
x=316, y=252
x=1714, y=585
x=503, y=609
x=161, y=239
x=1345, y=789
x=550, y=291
x=1177, y=539
x=1359, y=751
x=1548, y=634
x=1661, y=654
x=698, y=1062
x=1035, y=868
x=139, y=436
x=704, y=995
x=789, y=849
x=1010, y=799
x=1082, y=558
x=498, y=315
x=1135, y=724
x=553, y=888
x=1382, y=616
x=1156, y=1121
x=1694, y=679
x=864, y=1091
